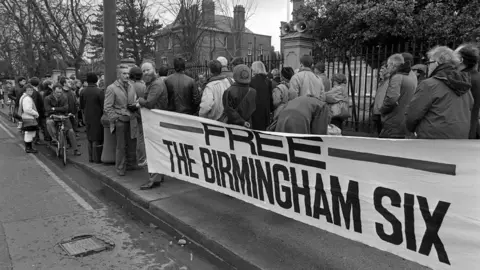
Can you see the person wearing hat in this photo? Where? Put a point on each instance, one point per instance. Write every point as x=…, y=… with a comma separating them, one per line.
x=469, y=56
x=239, y=100
x=225, y=71
x=91, y=102
x=420, y=71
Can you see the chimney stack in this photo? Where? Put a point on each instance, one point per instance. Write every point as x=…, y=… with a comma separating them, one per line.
x=239, y=18
x=208, y=12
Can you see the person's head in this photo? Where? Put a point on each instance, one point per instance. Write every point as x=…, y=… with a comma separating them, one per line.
x=394, y=62
x=306, y=61
x=62, y=81
x=408, y=58
x=148, y=70
x=123, y=73
x=275, y=73
x=237, y=61
x=179, y=64
x=47, y=84
x=92, y=78
x=34, y=81
x=441, y=55
x=319, y=68
x=223, y=61
x=163, y=71
x=202, y=77
x=242, y=74
x=21, y=81
x=215, y=67
x=287, y=73
x=78, y=83
x=258, y=68
x=339, y=79
x=72, y=77
x=57, y=91
x=469, y=56
x=29, y=89
x=85, y=83
x=135, y=74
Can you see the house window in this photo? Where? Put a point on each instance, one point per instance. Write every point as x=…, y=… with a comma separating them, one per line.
x=170, y=43
x=249, y=48
x=225, y=42
x=164, y=60
x=261, y=49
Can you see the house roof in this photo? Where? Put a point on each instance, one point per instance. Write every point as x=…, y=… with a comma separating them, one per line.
x=222, y=24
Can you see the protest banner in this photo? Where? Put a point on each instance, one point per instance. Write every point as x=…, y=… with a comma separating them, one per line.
x=417, y=199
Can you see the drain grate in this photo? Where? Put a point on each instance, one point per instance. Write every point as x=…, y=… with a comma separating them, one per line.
x=84, y=245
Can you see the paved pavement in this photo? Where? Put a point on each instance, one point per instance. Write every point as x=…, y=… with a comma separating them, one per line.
x=40, y=208
x=243, y=235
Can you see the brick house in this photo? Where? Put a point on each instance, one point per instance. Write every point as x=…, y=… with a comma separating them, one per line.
x=222, y=36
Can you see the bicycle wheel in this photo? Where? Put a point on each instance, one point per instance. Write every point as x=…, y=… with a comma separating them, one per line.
x=61, y=142
x=64, y=149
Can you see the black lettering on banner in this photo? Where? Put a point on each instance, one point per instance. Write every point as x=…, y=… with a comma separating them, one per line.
x=408, y=205
x=241, y=175
x=215, y=168
x=207, y=163
x=396, y=237
x=350, y=204
x=190, y=160
x=270, y=142
x=212, y=132
x=225, y=169
x=287, y=203
x=294, y=146
x=321, y=200
x=264, y=181
x=172, y=164
x=253, y=177
x=232, y=138
x=303, y=190
x=181, y=158
x=433, y=223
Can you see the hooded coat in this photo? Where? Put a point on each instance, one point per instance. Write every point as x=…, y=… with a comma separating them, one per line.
x=304, y=115
x=441, y=106
x=399, y=92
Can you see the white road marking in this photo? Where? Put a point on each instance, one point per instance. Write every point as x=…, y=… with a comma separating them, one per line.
x=70, y=191
x=7, y=131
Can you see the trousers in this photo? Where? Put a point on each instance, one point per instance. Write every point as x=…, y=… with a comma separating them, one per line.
x=125, y=151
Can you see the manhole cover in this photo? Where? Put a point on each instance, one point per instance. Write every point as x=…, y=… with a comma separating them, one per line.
x=84, y=245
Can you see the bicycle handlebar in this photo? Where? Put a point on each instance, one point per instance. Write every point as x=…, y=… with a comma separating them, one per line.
x=62, y=117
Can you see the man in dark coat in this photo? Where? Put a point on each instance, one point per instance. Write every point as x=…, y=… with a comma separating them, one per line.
x=183, y=95
x=38, y=100
x=91, y=102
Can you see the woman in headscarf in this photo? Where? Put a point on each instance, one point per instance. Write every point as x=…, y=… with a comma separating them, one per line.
x=263, y=87
x=281, y=95
x=29, y=114
x=469, y=56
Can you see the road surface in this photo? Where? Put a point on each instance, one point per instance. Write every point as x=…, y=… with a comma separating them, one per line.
x=43, y=203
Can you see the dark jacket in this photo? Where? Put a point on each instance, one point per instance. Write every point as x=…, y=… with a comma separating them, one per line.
x=38, y=100
x=91, y=102
x=399, y=92
x=441, y=106
x=60, y=105
x=474, y=127
x=183, y=96
x=263, y=86
x=239, y=104
x=72, y=102
x=304, y=115
x=156, y=95
x=16, y=93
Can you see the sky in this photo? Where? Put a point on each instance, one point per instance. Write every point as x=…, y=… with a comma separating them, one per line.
x=267, y=18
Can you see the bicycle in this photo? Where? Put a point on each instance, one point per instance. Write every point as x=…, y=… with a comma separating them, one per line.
x=61, y=135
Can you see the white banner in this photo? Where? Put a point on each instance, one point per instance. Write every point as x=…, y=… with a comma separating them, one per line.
x=415, y=198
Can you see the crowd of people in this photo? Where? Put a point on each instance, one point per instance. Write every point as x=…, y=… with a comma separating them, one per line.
x=438, y=100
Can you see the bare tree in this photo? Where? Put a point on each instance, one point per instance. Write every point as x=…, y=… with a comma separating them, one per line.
x=67, y=22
